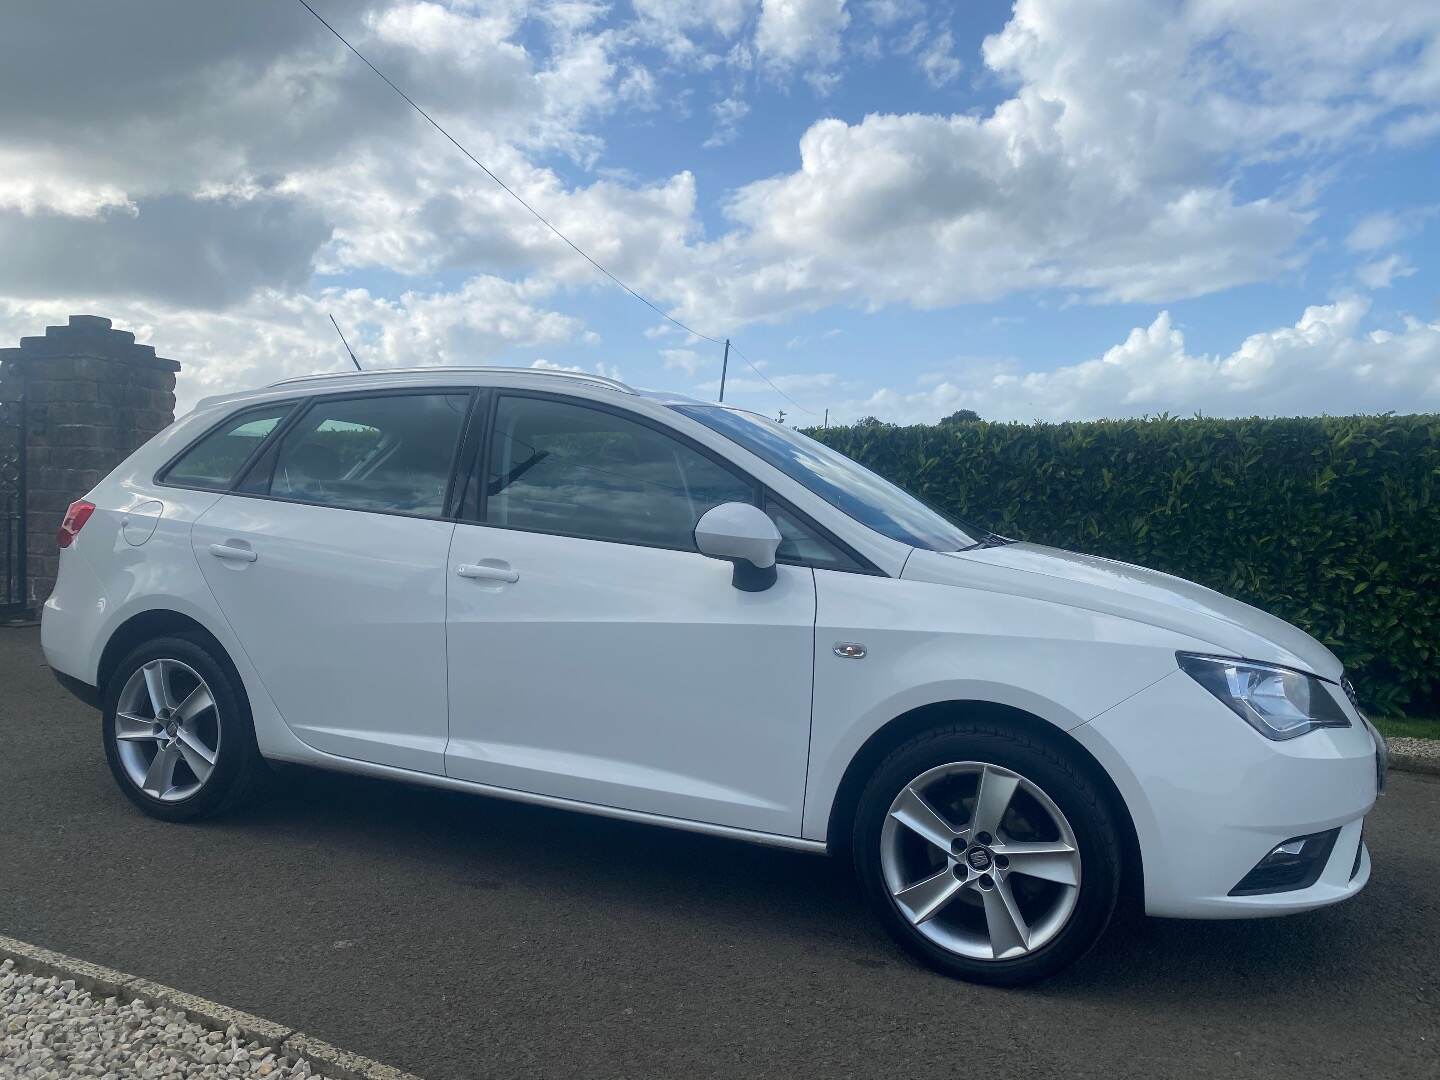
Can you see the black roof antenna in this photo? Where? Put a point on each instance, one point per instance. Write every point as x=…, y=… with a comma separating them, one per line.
x=346, y=344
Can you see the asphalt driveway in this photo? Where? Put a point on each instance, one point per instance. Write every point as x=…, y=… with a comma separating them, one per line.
x=456, y=937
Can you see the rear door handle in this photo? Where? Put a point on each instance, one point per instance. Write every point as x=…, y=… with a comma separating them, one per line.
x=482, y=572
x=239, y=554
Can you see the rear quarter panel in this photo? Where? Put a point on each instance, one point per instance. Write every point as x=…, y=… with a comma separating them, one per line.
x=106, y=579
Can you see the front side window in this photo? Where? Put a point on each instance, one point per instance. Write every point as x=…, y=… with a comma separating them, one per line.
x=846, y=485
x=799, y=543
x=214, y=460
x=561, y=468
x=390, y=453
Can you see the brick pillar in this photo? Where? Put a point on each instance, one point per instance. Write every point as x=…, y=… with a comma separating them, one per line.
x=91, y=397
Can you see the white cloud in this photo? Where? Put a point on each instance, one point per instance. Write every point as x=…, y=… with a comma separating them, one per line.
x=794, y=33
x=1413, y=129
x=207, y=252
x=686, y=360
x=273, y=334
x=1325, y=363
x=1381, y=273
x=252, y=155
x=609, y=371
x=1325, y=67
x=435, y=30
x=255, y=154
x=794, y=385
x=681, y=27
x=29, y=185
x=1109, y=172
x=938, y=61
x=1113, y=172
x=889, y=12
x=932, y=211
x=728, y=114
x=638, y=88
x=1375, y=231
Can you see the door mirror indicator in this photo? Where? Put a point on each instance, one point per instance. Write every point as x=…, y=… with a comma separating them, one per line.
x=744, y=535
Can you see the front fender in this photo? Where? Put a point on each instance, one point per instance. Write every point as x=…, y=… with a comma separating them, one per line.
x=928, y=644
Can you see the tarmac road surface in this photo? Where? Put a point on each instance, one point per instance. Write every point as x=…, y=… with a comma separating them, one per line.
x=457, y=936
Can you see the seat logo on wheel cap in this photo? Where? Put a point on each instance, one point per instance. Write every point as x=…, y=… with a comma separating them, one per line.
x=979, y=859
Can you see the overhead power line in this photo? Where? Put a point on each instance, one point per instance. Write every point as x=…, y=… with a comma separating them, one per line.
x=503, y=186
x=736, y=350
x=536, y=213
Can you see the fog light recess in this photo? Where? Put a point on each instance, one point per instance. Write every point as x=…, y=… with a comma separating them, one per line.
x=1295, y=864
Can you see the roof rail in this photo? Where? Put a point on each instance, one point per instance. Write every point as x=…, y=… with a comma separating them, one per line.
x=598, y=380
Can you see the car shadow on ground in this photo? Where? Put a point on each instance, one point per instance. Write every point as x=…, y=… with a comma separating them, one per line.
x=468, y=843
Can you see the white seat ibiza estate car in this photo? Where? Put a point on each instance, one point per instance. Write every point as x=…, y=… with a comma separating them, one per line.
x=554, y=588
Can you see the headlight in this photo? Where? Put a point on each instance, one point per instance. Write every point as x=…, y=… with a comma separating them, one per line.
x=1277, y=702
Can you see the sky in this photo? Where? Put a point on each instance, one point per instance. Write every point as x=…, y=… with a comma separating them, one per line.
x=1052, y=209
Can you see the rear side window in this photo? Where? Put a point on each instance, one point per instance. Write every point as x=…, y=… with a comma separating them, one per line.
x=561, y=468
x=214, y=460
x=387, y=453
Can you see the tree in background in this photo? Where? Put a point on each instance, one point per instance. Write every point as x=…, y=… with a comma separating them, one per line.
x=964, y=416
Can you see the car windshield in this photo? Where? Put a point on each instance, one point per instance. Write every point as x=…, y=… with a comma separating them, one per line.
x=845, y=484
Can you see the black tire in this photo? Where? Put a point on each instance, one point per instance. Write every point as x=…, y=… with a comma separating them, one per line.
x=238, y=772
x=1046, y=765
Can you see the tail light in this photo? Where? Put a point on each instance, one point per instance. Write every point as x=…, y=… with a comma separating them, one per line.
x=75, y=518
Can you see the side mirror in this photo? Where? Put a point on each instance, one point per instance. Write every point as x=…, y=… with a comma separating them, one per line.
x=744, y=535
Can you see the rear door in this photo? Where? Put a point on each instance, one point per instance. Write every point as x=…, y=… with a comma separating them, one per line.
x=595, y=655
x=329, y=561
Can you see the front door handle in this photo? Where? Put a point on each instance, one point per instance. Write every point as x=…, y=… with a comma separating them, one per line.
x=239, y=554
x=484, y=572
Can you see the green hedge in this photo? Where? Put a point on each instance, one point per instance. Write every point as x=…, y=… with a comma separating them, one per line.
x=1332, y=523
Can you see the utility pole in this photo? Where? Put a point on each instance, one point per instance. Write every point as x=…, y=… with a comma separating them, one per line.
x=826, y=424
x=724, y=367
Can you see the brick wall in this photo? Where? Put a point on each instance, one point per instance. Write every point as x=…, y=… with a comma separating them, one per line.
x=91, y=397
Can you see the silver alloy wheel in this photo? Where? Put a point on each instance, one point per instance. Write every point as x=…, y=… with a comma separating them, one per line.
x=999, y=886
x=167, y=730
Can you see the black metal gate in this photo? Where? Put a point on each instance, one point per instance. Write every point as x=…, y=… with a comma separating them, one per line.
x=14, y=587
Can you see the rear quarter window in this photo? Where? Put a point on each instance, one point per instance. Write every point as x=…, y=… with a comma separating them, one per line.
x=216, y=459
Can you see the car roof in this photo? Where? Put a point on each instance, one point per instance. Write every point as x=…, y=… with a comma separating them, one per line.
x=452, y=375
x=432, y=372
x=339, y=382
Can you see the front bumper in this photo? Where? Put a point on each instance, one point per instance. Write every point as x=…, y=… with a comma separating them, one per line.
x=1210, y=797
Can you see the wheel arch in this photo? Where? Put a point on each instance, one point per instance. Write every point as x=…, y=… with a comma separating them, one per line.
x=888, y=736
x=158, y=622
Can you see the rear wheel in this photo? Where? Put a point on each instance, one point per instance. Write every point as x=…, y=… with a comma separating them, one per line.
x=988, y=854
x=178, y=733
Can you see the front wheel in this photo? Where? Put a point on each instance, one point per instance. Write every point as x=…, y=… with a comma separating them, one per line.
x=987, y=854
x=178, y=733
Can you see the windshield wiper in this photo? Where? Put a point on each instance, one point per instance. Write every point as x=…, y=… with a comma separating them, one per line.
x=989, y=540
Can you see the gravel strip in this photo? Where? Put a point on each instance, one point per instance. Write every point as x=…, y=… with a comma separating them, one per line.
x=1415, y=755
x=52, y=1029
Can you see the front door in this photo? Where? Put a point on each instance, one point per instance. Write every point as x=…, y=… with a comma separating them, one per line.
x=595, y=655
x=330, y=566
